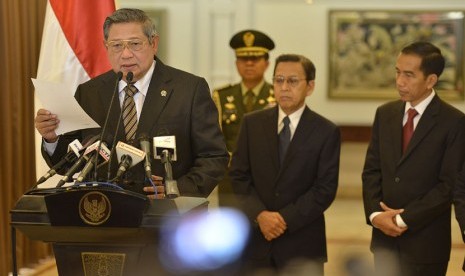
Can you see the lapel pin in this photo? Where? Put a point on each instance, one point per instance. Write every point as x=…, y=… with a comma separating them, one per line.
x=163, y=93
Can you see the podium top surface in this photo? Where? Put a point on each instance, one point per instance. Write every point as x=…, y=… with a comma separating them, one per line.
x=78, y=210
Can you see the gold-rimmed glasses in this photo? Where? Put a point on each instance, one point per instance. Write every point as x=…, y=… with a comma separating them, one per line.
x=291, y=81
x=117, y=46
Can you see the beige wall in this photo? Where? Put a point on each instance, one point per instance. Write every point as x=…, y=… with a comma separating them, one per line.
x=198, y=31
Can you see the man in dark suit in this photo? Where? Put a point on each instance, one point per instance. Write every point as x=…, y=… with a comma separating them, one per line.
x=285, y=173
x=253, y=92
x=167, y=101
x=408, y=178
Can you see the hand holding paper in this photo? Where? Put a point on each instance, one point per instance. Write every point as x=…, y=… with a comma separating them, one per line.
x=58, y=99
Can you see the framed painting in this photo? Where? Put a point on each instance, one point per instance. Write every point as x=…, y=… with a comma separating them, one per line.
x=364, y=46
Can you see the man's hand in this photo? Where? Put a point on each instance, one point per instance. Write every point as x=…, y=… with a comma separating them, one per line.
x=46, y=123
x=386, y=221
x=272, y=224
x=160, y=189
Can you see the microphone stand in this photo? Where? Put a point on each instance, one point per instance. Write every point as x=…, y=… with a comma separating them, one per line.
x=171, y=185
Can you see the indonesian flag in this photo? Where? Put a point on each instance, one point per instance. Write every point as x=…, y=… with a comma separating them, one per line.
x=72, y=49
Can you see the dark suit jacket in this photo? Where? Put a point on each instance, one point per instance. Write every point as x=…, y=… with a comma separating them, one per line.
x=420, y=181
x=300, y=190
x=185, y=111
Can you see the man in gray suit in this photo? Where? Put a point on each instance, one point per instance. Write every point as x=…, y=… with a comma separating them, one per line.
x=285, y=173
x=168, y=101
x=408, y=178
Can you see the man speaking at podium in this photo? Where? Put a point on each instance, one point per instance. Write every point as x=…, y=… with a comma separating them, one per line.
x=168, y=102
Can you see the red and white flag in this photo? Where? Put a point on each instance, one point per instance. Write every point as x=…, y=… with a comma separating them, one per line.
x=72, y=49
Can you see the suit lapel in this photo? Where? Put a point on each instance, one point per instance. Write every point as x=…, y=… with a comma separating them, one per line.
x=270, y=128
x=304, y=129
x=159, y=91
x=395, y=123
x=425, y=125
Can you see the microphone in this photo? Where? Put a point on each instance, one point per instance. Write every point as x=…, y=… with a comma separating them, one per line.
x=99, y=148
x=79, y=163
x=145, y=146
x=161, y=143
x=129, y=77
x=128, y=156
x=119, y=76
x=70, y=157
x=165, y=149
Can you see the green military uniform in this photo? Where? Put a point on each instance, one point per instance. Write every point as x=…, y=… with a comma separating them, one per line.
x=230, y=103
x=231, y=99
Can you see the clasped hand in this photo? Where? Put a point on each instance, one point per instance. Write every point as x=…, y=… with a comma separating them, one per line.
x=272, y=224
x=386, y=221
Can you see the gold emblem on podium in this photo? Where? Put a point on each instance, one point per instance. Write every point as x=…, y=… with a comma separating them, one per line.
x=102, y=264
x=94, y=208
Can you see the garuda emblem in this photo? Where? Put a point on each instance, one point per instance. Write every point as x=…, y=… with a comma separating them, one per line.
x=94, y=208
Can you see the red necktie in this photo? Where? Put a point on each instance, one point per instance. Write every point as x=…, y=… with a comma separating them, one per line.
x=407, y=131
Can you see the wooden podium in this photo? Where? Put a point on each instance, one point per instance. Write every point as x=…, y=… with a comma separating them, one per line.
x=98, y=230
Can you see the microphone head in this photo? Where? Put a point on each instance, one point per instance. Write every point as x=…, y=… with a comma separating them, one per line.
x=119, y=75
x=129, y=77
x=143, y=137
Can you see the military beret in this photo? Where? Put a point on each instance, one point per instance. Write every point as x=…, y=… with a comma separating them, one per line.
x=249, y=43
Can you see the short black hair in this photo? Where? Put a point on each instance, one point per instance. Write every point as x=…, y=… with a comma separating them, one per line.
x=432, y=60
x=307, y=64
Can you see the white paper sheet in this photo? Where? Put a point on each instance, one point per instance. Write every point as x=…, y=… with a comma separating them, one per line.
x=58, y=99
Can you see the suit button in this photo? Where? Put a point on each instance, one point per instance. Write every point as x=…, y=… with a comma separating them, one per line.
x=397, y=179
x=276, y=194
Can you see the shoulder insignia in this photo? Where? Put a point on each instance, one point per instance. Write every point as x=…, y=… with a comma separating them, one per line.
x=224, y=87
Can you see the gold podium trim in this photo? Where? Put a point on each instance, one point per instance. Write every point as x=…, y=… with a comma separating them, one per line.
x=102, y=263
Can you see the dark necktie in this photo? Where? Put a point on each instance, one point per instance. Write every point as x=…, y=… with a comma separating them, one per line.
x=249, y=101
x=129, y=112
x=284, y=139
x=407, y=131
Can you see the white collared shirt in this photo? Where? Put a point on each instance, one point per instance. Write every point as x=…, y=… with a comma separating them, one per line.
x=142, y=85
x=294, y=118
x=420, y=108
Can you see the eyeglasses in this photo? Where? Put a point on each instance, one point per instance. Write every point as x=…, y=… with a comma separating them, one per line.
x=291, y=81
x=117, y=46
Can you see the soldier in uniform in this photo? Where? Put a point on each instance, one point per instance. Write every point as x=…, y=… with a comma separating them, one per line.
x=252, y=93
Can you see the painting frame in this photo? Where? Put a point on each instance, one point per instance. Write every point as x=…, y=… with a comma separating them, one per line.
x=364, y=45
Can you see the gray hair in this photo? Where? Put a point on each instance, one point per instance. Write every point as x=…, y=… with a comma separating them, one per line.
x=130, y=16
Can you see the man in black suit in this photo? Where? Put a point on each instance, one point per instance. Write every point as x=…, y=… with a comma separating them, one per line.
x=408, y=182
x=168, y=101
x=284, y=192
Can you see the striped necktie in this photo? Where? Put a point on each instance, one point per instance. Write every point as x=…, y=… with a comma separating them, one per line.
x=129, y=112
